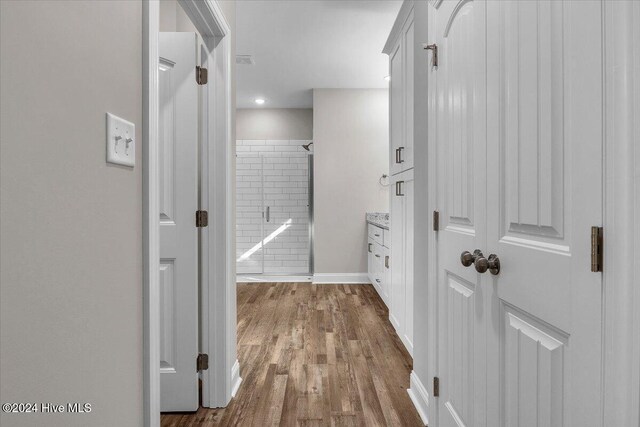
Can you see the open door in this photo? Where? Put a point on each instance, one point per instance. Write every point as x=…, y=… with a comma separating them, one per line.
x=178, y=153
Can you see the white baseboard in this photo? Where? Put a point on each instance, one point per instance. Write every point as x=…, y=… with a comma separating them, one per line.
x=261, y=278
x=419, y=396
x=235, y=378
x=346, y=278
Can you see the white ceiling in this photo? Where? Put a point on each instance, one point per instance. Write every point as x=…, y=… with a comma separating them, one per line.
x=299, y=45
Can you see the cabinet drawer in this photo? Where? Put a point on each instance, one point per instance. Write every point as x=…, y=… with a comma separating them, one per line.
x=386, y=238
x=375, y=233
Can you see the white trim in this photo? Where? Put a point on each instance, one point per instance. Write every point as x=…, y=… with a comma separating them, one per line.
x=235, y=378
x=259, y=278
x=419, y=396
x=207, y=17
x=621, y=210
x=342, y=278
x=217, y=264
x=150, y=215
x=396, y=30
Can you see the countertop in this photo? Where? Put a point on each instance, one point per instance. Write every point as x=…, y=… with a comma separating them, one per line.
x=379, y=219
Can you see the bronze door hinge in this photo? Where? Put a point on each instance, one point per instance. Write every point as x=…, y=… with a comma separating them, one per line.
x=596, y=249
x=202, y=362
x=202, y=218
x=436, y=220
x=202, y=75
x=436, y=386
x=434, y=48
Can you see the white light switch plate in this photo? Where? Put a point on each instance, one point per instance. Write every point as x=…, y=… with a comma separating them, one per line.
x=121, y=141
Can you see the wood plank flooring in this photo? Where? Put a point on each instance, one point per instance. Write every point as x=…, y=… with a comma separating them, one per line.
x=314, y=355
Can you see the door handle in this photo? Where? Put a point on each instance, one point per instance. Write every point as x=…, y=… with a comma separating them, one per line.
x=400, y=160
x=399, y=188
x=492, y=264
x=268, y=215
x=369, y=247
x=467, y=258
x=397, y=158
x=386, y=261
x=377, y=255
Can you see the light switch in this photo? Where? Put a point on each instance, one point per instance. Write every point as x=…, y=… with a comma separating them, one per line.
x=121, y=141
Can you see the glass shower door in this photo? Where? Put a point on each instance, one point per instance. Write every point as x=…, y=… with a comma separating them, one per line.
x=249, y=213
x=273, y=187
x=286, y=200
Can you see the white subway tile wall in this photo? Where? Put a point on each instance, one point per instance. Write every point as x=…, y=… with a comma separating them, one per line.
x=273, y=174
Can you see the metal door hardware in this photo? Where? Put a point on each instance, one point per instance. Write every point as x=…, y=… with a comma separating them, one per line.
x=467, y=258
x=436, y=386
x=386, y=261
x=434, y=48
x=370, y=247
x=492, y=264
x=436, y=220
x=596, y=249
x=268, y=214
x=202, y=75
x=399, y=188
x=202, y=362
x=202, y=218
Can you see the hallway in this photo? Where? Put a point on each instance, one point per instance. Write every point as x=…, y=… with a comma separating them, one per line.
x=314, y=355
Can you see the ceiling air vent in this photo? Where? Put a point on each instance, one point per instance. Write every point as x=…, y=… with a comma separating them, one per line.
x=244, y=60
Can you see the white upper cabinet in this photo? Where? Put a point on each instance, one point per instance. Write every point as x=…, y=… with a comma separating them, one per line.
x=399, y=47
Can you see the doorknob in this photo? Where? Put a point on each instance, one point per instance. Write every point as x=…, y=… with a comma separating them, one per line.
x=492, y=264
x=467, y=258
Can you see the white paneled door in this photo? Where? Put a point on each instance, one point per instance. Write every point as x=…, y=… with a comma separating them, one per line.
x=178, y=234
x=519, y=149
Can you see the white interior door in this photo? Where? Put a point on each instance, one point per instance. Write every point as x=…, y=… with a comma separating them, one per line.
x=519, y=152
x=463, y=307
x=178, y=233
x=544, y=194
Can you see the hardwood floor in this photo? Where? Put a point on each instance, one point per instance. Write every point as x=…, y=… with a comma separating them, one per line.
x=314, y=355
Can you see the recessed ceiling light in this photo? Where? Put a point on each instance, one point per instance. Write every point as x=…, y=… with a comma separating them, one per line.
x=259, y=101
x=387, y=78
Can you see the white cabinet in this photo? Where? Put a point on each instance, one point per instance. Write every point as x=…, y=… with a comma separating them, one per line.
x=378, y=260
x=400, y=48
x=401, y=260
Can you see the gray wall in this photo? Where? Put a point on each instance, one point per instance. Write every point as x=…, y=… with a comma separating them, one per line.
x=71, y=225
x=351, y=146
x=274, y=123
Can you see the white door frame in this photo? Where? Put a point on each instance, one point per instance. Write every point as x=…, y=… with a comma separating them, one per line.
x=217, y=266
x=621, y=209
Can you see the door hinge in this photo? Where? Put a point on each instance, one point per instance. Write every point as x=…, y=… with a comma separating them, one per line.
x=436, y=220
x=596, y=249
x=434, y=48
x=202, y=218
x=202, y=75
x=202, y=362
x=436, y=386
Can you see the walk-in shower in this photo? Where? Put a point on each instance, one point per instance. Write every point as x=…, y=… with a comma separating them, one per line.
x=274, y=210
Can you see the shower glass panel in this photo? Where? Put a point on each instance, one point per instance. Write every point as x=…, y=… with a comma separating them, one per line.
x=273, y=182
x=249, y=221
